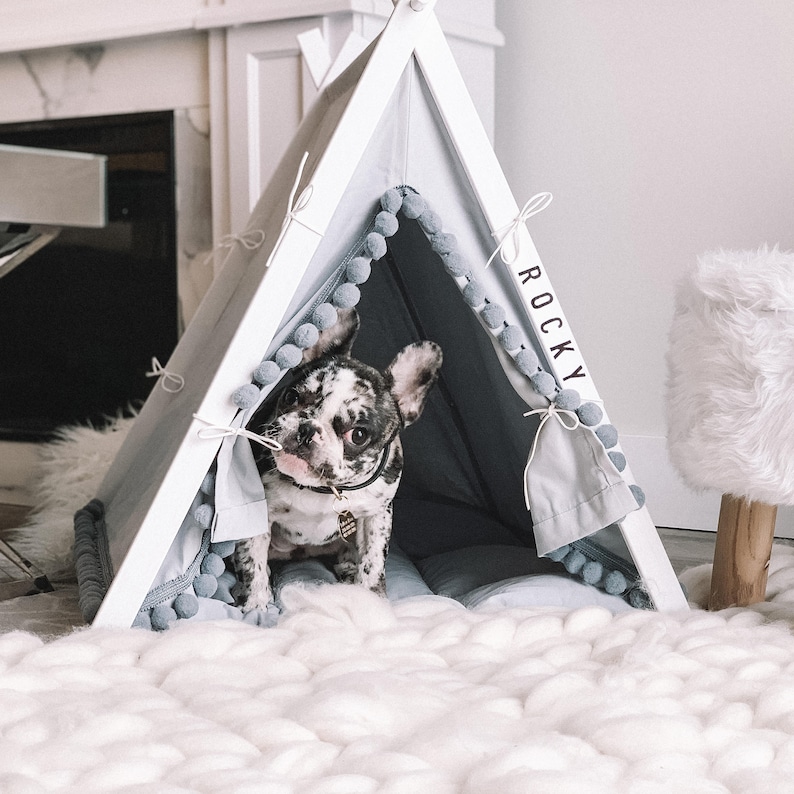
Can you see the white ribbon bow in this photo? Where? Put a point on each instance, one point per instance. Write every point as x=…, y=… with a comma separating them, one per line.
x=172, y=382
x=212, y=431
x=547, y=413
x=248, y=240
x=293, y=206
x=512, y=230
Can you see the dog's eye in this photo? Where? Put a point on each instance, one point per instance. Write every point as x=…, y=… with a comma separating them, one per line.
x=358, y=436
x=290, y=398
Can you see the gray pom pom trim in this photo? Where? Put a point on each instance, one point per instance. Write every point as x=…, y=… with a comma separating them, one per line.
x=245, y=396
x=474, y=294
x=589, y=414
x=346, y=296
x=543, y=383
x=527, y=362
x=607, y=435
x=288, y=356
x=511, y=338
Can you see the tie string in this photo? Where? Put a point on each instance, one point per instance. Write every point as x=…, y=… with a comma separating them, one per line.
x=294, y=207
x=172, y=382
x=512, y=230
x=212, y=432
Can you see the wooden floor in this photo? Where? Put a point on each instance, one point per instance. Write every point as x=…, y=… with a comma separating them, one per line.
x=687, y=548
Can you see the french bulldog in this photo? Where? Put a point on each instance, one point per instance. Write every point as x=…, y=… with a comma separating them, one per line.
x=330, y=487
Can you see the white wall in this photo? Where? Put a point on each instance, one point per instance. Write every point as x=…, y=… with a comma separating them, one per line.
x=663, y=129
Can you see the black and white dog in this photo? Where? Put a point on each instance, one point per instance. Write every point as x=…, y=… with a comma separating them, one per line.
x=330, y=487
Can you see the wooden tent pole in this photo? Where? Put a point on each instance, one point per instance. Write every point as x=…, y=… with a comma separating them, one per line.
x=741, y=554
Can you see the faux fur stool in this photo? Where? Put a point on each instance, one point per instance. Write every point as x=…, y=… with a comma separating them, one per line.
x=730, y=395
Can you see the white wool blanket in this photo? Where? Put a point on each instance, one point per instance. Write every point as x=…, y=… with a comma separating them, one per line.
x=350, y=693
x=731, y=375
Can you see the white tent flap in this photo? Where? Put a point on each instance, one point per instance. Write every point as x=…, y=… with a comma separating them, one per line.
x=562, y=514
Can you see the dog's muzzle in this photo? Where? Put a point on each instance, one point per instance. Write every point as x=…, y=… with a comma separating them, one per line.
x=306, y=432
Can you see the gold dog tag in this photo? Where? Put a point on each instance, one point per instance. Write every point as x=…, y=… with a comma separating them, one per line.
x=347, y=524
x=345, y=520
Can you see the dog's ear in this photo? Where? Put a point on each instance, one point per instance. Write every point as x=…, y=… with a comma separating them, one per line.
x=411, y=376
x=336, y=340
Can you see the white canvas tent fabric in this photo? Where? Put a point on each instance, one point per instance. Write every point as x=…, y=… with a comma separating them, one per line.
x=398, y=116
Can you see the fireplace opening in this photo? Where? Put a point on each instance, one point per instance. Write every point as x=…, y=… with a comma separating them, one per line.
x=81, y=319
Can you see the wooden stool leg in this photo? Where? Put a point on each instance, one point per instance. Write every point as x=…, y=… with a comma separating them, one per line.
x=741, y=554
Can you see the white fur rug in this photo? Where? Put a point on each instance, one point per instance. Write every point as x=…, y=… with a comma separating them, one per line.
x=352, y=694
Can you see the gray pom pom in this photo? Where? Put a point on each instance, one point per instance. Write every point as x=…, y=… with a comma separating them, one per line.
x=391, y=201
x=143, y=620
x=607, y=435
x=615, y=583
x=443, y=243
x=358, y=270
x=456, y=265
x=543, y=383
x=306, y=335
x=223, y=548
x=639, y=494
x=203, y=515
x=267, y=372
x=208, y=484
x=574, y=561
x=213, y=564
x=639, y=599
x=511, y=338
x=375, y=245
x=527, y=362
x=346, y=296
x=589, y=414
x=413, y=205
x=568, y=400
x=493, y=315
x=205, y=585
x=429, y=221
x=618, y=459
x=246, y=396
x=162, y=616
x=592, y=572
x=288, y=356
x=325, y=316
x=474, y=294
x=386, y=224
x=558, y=554
x=186, y=605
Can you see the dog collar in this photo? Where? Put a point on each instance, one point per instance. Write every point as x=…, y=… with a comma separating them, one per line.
x=384, y=459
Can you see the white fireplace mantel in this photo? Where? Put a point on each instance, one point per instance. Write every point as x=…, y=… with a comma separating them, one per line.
x=234, y=67
x=40, y=24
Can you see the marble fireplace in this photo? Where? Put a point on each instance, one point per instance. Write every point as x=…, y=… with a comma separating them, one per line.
x=233, y=77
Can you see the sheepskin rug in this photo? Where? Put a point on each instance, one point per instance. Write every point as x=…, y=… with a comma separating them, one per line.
x=731, y=375
x=349, y=694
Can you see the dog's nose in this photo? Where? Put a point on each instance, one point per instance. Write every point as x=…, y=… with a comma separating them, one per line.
x=306, y=432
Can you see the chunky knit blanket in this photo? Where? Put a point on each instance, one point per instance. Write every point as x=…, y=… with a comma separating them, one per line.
x=350, y=693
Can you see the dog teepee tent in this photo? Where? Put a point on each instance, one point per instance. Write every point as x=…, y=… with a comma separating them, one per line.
x=389, y=198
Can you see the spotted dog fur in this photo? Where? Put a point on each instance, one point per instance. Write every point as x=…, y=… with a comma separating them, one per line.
x=334, y=422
